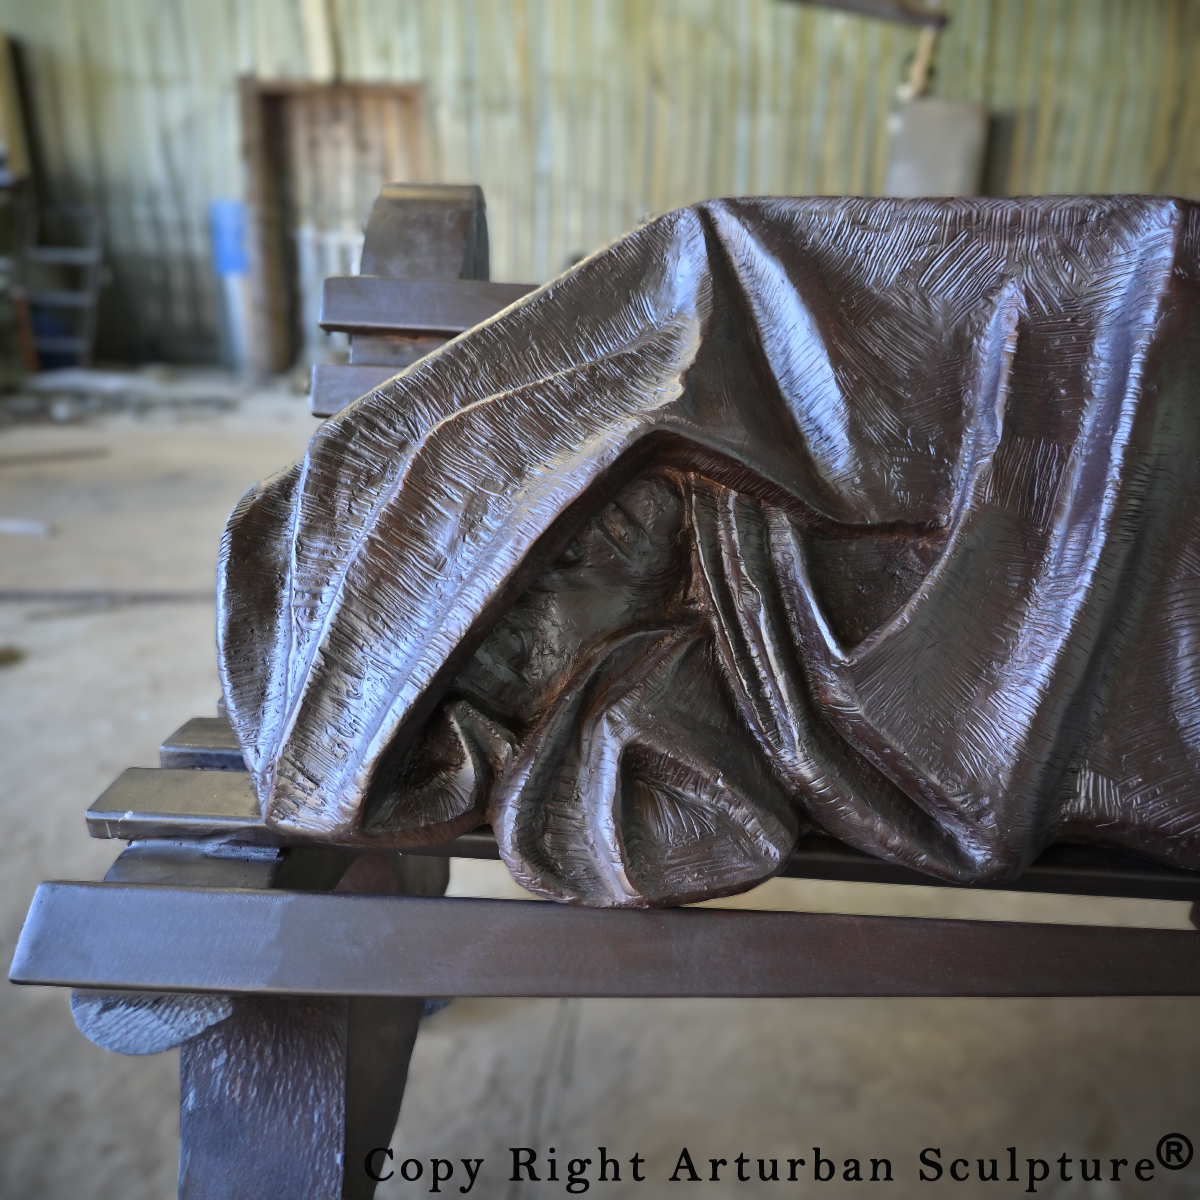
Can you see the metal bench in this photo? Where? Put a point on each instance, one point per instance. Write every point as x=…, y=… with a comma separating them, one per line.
x=293, y=976
x=424, y=280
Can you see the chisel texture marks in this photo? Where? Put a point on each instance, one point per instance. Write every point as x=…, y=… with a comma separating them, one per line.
x=872, y=515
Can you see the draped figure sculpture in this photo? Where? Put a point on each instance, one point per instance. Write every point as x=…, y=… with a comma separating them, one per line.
x=877, y=517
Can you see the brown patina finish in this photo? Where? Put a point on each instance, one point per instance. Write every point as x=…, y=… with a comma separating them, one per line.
x=876, y=517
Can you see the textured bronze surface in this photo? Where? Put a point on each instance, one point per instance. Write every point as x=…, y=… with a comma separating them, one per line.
x=872, y=516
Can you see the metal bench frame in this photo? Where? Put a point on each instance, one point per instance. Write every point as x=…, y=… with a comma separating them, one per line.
x=323, y=957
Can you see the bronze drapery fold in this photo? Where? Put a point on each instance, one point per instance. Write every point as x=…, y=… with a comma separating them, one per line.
x=875, y=516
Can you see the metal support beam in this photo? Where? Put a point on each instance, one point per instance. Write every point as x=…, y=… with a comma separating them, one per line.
x=377, y=304
x=291, y=1094
x=154, y=938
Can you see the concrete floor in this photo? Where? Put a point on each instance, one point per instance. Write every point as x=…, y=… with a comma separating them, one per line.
x=94, y=691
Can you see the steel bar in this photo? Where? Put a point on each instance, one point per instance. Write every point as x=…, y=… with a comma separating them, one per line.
x=147, y=803
x=205, y=742
x=378, y=304
x=334, y=385
x=1062, y=868
x=150, y=938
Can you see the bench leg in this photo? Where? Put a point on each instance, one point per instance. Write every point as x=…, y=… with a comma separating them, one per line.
x=285, y=1098
x=280, y=1098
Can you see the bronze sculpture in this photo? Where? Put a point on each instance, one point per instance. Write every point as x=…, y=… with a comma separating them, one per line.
x=870, y=515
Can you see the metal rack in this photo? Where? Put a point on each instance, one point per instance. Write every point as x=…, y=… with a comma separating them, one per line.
x=62, y=281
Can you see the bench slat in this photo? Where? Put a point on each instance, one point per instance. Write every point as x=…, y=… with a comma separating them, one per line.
x=205, y=742
x=377, y=304
x=152, y=938
x=334, y=385
x=147, y=803
x=150, y=802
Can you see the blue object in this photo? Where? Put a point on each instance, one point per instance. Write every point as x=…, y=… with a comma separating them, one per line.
x=227, y=230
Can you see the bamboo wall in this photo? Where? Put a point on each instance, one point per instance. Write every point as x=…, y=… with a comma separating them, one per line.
x=580, y=116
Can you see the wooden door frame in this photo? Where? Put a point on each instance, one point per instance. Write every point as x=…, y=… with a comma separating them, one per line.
x=271, y=298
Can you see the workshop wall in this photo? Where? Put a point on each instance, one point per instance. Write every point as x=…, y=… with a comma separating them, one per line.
x=579, y=117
